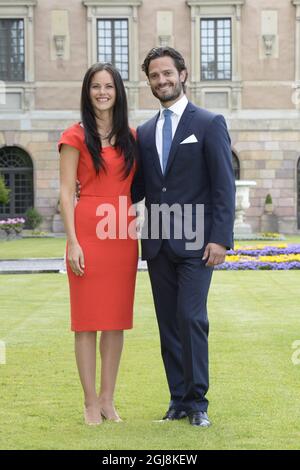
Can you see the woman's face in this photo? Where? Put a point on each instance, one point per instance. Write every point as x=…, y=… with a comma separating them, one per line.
x=102, y=91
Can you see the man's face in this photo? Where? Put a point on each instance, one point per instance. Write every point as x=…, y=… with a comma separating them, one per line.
x=165, y=80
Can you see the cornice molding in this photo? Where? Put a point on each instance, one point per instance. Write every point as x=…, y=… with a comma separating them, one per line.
x=216, y=3
x=112, y=3
x=18, y=3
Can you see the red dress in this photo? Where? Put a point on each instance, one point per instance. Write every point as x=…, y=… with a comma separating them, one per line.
x=102, y=299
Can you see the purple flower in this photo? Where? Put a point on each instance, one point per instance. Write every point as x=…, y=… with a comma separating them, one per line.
x=267, y=251
x=15, y=225
x=254, y=262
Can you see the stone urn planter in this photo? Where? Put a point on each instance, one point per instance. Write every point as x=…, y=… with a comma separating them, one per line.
x=269, y=220
x=10, y=234
x=3, y=234
x=11, y=229
x=242, y=203
x=269, y=208
x=57, y=222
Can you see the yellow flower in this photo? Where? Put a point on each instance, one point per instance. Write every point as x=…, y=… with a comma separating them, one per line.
x=279, y=258
x=260, y=246
x=232, y=258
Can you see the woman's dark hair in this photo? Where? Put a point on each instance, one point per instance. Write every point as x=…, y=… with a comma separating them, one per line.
x=124, y=139
x=158, y=52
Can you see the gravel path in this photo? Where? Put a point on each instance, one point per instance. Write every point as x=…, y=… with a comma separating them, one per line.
x=42, y=265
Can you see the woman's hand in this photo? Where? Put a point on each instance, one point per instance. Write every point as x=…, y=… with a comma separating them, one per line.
x=76, y=258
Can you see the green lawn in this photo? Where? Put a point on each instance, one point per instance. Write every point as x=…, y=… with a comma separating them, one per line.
x=288, y=239
x=33, y=248
x=55, y=247
x=254, y=391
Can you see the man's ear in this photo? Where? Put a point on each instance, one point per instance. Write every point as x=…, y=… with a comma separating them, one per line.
x=183, y=76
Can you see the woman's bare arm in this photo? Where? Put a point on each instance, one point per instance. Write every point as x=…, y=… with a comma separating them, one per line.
x=68, y=175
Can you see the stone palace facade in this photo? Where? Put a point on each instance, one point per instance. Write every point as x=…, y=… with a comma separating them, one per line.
x=243, y=58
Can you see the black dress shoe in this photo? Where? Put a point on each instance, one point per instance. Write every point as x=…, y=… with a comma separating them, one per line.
x=199, y=418
x=173, y=414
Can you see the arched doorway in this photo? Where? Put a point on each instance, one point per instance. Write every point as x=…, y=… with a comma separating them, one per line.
x=17, y=169
x=236, y=165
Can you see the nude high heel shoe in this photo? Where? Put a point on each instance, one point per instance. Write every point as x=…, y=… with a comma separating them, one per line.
x=92, y=419
x=116, y=418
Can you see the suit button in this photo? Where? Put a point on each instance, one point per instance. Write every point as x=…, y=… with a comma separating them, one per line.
x=164, y=190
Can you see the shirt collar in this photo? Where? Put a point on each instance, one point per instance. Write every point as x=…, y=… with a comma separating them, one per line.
x=177, y=108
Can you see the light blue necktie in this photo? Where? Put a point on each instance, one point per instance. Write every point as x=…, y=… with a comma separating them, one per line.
x=166, y=137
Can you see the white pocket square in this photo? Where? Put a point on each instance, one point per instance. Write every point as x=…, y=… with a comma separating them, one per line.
x=191, y=139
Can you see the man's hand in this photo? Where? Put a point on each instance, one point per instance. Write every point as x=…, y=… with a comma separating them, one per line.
x=215, y=254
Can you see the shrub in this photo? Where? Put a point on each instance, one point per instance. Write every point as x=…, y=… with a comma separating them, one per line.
x=33, y=218
x=4, y=191
x=268, y=199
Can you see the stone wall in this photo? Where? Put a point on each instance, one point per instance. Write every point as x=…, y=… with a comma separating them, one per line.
x=263, y=104
x=267, y=155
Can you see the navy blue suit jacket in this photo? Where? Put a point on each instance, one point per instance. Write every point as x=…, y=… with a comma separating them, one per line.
x=196, y=173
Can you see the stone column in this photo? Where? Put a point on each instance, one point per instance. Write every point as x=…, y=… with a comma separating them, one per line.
x=236, y=89
x=29, y=48
x=296, y=95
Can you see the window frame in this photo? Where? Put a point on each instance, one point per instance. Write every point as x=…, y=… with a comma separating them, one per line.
x=12, y=172
x=8, y=56
x=22, y=9
x=113, y=21
x=216, y=46
x=117, y=10
x=200, y=89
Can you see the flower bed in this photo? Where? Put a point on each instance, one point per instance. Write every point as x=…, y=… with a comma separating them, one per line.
x=11, y=228
x=281, y=257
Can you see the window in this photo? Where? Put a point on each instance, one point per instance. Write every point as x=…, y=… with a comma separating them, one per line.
x=298, y=194
x=216, y=49
x=112, y=31
x=12, y=50
x=17, y=57
x=236, y=166
x=112, y=37
x=216, y=35
x=17, y=169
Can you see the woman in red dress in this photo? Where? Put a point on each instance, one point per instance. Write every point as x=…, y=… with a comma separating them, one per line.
x=100, y=152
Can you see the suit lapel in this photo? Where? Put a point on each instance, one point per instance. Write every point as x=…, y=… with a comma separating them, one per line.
x=178, y=137
x=152, y=147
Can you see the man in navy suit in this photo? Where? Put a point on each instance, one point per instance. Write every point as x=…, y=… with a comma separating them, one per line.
x=185, y=163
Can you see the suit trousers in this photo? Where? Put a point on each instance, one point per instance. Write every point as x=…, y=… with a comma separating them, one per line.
x=180, y=288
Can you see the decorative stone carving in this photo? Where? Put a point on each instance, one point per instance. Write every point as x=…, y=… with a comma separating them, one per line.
x=59, y=41
x=164, y=40
x=269, y=40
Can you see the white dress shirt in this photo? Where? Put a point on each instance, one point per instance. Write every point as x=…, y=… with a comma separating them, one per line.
x=177, y=109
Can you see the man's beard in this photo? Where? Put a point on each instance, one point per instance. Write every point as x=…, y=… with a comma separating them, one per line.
x=171, y=97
